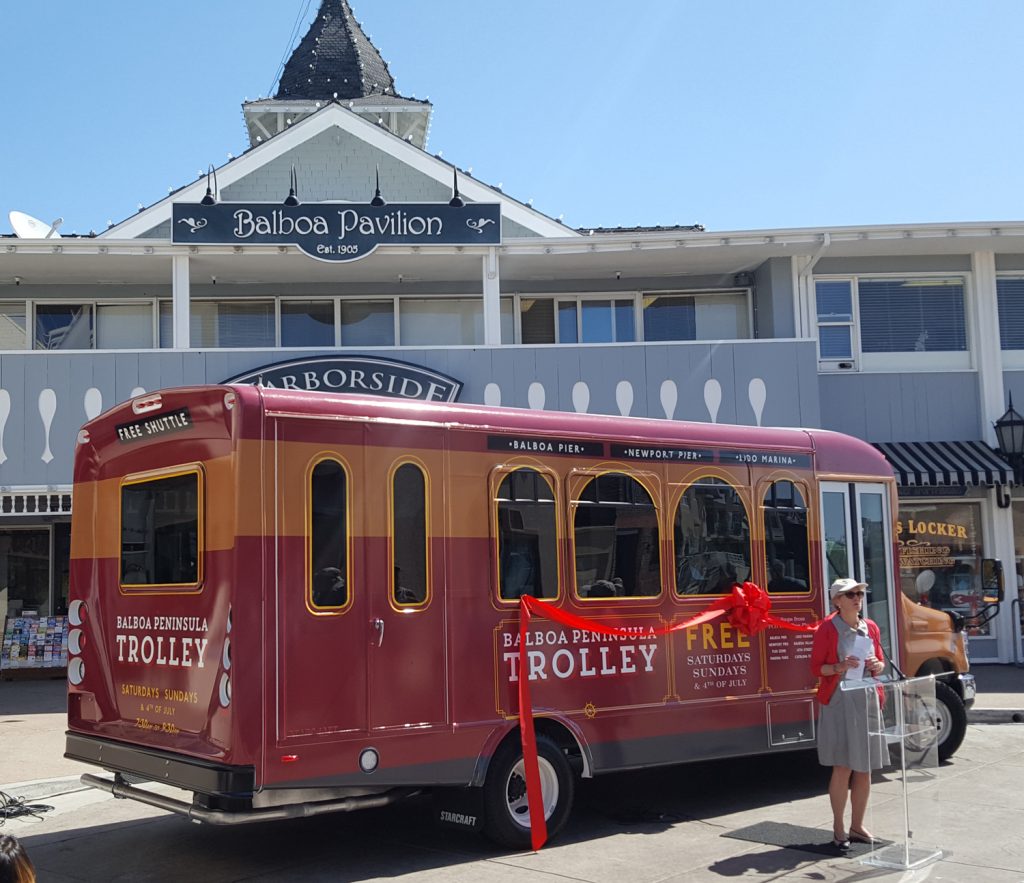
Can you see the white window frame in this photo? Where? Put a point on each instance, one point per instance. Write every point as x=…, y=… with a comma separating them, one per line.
x=696, y=293
x=608, y=296
x=845, y=364
x=94, y=304
x=296, y=298
x=1012, y=359
x=889, y=362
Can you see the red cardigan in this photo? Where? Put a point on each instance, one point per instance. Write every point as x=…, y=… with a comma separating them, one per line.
x=825, y=651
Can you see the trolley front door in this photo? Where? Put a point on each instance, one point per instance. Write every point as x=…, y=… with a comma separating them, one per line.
x=856, y=531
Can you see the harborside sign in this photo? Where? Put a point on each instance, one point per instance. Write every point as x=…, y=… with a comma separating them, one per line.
x=364, y=375
x=336, y=231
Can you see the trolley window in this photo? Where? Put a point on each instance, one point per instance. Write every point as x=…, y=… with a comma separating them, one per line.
x=527, y=539
x=160, y=531
x=615, y=529
x=409, y=534
x=712, y=539
x=785, y=538
x=328, y=535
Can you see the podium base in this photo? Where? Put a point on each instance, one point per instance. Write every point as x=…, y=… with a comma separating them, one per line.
x=902, y=857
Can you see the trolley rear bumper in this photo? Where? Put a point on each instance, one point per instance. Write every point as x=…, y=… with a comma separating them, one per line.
x=191, y=774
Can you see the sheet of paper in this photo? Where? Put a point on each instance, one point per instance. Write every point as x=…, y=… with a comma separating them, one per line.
x=863, y=647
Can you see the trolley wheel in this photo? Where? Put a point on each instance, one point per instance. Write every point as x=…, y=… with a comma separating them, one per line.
x=951, y=719
x=506, y=812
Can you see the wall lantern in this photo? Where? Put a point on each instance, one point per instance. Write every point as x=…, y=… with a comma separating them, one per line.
x=1010, y=438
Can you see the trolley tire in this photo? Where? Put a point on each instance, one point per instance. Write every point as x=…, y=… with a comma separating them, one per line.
x=506, y=815
x=952, y=720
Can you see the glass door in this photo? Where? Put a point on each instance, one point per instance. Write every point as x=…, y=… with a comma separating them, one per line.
x=856, y=532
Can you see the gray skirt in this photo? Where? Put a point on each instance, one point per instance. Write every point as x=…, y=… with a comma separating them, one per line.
x=843, y=731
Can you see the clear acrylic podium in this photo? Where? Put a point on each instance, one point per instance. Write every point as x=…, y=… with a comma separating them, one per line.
x=901, y=729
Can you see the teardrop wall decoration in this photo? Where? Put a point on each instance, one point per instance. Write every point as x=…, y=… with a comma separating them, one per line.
x=492, y=395
x=713, y=398
x=93, y=403
x=535, y=396
x=47, y=410
x=757, y=392
x=580, y=397
x=669, y=398
x=5, y=412
x=624, y=397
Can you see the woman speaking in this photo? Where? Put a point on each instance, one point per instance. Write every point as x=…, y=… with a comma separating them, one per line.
x=845, y=645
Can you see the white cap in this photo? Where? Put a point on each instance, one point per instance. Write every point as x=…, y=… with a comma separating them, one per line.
x=844, y=585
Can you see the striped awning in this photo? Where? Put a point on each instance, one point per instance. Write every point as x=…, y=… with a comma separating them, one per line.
x=946, y=463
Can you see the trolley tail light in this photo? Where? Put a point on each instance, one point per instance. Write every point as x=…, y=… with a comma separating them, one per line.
x=77, y=616
x=225, y=660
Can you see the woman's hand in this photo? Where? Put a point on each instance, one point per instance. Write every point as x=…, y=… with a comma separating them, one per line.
x=873, y=666
x=846, y=664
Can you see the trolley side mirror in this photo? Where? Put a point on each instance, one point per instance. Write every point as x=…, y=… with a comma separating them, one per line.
x=991, y=581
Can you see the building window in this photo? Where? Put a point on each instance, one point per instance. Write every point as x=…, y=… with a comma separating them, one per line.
x=708, y=316
x=1010, y=293
x=124, y=326
x=835, y=319
x=440, y=321
x=328, y=536
x=891, y=324
x=912, y=315
x=527, y=539
x=508, y=321
x=63, y=326
x=367, y=323
x=785, y=538
x=307, y=323
x=409, y=535
x=231, y=324
x=24, y=571
x=586, y=320
x=712, y=539
x=577, y=320
x=537, y=320
x=616, y=538
x=13, y=325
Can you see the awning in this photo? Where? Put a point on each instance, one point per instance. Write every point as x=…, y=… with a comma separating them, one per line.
x=946, y=463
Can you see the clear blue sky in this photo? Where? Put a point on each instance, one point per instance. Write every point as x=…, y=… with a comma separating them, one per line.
x=736, y=115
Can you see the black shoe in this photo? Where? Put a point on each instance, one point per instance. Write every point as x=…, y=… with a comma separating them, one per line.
x=841, y=845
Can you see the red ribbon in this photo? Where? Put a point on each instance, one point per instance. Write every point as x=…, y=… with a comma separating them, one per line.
x=746, y=607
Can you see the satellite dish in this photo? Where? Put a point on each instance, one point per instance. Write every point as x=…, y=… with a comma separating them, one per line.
x=27, y=227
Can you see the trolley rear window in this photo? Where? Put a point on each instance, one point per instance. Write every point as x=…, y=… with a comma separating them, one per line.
x=160, y=532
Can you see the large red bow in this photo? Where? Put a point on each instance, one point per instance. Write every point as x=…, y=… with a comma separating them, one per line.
x=746, y=607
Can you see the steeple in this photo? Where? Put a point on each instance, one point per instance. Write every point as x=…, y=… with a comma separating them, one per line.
x=335, y=61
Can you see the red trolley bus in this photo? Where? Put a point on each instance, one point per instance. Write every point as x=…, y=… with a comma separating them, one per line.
x=289, y=603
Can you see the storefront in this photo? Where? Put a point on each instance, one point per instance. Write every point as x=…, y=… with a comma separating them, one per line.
x=942, y=545
x=34, y=569
x=951, y=520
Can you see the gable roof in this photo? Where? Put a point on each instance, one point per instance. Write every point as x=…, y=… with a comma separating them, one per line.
x=377, y=137
x=335, y=60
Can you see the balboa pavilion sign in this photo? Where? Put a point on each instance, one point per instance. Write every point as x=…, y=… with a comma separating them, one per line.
x=336, y=231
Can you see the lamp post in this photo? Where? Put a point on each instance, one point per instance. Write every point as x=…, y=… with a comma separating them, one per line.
x=1010, y=435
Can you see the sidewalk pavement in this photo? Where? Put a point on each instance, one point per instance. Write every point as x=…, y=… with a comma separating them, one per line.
x=1000, y=694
